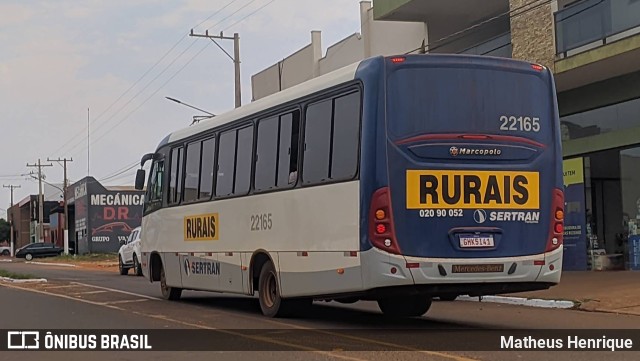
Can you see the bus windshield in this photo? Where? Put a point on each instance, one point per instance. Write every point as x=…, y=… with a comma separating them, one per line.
x=468, y=100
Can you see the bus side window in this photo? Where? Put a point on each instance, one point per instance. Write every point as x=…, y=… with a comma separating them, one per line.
x=346, y=136
x=206, y=168
x=175, y=182
x=266, y=154
x=192, y=172
x=317, y=141
x=226, y=163
x=244, y=155
x=288, y=149
x=153, y=200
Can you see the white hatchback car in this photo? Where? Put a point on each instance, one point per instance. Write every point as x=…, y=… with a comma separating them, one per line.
x=129, y=254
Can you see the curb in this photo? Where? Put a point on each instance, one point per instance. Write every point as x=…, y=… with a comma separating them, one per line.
x=52, y=264
x=519, y=301
x=6, y=260
x=29, y=280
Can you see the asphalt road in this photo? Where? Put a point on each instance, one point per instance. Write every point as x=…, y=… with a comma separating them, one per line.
x=83, y=299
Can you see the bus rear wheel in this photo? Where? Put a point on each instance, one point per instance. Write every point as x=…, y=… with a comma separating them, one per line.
x=408, y=306
x=271, y=303
x=168, y=292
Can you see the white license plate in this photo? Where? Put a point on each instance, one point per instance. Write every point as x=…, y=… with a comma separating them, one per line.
x=476, y=242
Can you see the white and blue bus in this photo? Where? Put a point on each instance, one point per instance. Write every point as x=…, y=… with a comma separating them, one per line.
x=396, y=179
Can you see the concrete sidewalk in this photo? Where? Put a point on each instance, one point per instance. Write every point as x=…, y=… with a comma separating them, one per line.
x=604, y=291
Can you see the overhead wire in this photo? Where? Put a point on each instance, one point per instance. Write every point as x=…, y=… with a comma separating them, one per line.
x=81, y=133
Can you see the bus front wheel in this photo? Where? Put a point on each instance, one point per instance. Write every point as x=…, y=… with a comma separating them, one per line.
x=168, y=292
x=408, y=306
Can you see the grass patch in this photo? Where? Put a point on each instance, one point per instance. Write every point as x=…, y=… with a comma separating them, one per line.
x=16, y=276
x=92, y=257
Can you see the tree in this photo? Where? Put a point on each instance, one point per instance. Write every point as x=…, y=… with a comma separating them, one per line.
x=5, y=230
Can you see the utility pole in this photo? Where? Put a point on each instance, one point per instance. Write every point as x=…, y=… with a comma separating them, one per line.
x=235, y=58
x=12, y=245
x=40, y=198
x=64, y=197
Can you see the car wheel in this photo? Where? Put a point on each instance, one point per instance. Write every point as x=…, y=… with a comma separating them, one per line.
x=28, y=257
x=123, y=270
x=137, y=267
x=5, y=253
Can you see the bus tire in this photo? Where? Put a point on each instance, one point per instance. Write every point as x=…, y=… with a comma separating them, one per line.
x=408, y=306
x=271, y=304
x=168, y=292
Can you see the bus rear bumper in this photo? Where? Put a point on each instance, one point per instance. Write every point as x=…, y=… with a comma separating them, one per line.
x=524, y=273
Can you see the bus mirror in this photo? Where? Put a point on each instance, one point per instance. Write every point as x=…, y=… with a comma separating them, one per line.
x=147, y=157
x=140, y=176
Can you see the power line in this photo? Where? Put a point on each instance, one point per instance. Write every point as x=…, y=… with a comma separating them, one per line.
x=173, y=76
x=511, y=13
x=244, y=18
x=142, y=77
x=94, y=131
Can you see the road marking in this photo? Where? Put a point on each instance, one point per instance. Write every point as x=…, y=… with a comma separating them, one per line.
x=59, y=286
x=125, y=301
x=267, y=320
x=118, y=291
x=89, y=292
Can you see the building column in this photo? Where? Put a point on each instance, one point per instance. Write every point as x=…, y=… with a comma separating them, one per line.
x=532, y=31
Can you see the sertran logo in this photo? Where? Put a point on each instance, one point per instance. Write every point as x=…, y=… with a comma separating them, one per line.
x=187, y=266
x=453, y=151
x=480, y=216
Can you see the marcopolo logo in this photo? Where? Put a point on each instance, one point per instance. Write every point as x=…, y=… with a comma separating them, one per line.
x=449, y=189
x=455, y=151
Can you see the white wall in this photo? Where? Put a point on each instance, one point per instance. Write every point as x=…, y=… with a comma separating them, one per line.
x=376, y=38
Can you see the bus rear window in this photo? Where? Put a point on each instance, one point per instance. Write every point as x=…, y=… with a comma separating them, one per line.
x=466, y=100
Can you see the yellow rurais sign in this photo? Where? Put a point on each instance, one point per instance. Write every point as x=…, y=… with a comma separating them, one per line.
x=447, y=189
x=202, y=227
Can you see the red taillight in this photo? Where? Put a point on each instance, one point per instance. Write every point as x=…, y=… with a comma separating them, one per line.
x=556, y=230
x=381, y=229
x=398, y=59
x=537, y=67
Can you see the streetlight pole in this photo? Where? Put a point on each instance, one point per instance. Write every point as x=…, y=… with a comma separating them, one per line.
x=196, y=118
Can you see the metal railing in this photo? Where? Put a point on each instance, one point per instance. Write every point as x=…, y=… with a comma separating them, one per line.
x=499, y=46
x=590, y=21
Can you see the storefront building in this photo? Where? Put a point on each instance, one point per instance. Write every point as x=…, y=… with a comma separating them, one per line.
x=593, y=49
x=100, y=217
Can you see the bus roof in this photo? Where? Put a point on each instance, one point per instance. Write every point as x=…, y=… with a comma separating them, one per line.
x=309, y=87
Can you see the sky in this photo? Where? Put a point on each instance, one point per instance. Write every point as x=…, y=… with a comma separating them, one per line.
x=87, y=80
